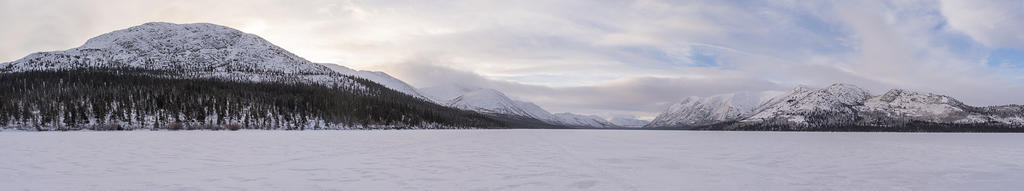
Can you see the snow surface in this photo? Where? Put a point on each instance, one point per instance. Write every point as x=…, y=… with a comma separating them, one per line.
x=509, y=160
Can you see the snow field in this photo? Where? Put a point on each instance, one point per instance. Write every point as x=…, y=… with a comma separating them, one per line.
x=508, y=160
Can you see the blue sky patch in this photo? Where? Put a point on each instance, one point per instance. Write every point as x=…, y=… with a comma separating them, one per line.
x=704, y=60
x=1013, y=58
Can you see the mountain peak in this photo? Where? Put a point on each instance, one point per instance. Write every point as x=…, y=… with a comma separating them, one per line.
x=159, y=33
x=802, y=88
x=841, y=87
x=894, y=94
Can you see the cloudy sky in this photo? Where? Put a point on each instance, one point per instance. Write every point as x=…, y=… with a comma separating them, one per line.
x=605, y=57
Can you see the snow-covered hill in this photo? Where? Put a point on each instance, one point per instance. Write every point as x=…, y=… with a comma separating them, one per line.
x=835, y=105
x=493, y=101
x=199, y=50
x=378, y=77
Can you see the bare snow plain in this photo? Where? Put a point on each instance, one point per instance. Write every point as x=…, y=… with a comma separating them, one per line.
x=509, y=160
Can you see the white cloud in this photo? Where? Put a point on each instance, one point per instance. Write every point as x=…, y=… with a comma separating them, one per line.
x=899, y=46
x=995, y=23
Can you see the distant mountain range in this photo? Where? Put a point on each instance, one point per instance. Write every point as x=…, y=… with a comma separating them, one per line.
x=629, y=122
x=493, y=101
x=701, y=111
x=838, y=107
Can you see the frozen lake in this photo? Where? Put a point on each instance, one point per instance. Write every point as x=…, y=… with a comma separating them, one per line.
x=509, y=160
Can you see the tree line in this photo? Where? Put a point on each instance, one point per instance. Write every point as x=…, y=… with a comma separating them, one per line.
x=145, y=99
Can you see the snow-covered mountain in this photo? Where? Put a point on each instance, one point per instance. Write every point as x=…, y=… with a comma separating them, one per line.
x=380, y=78
x=199, y=50
x=493, y=101
x=699, y=111
x=837, y=100
x=838, y=105
x=572, y=119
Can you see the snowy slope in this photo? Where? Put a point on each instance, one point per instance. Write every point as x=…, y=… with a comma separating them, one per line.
x=572, y=119
x=378, y=77
x=190, y=50
x=698, y=111
x=1011, y=114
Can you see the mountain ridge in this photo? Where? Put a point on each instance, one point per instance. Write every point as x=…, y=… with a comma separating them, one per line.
x=848, y=107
